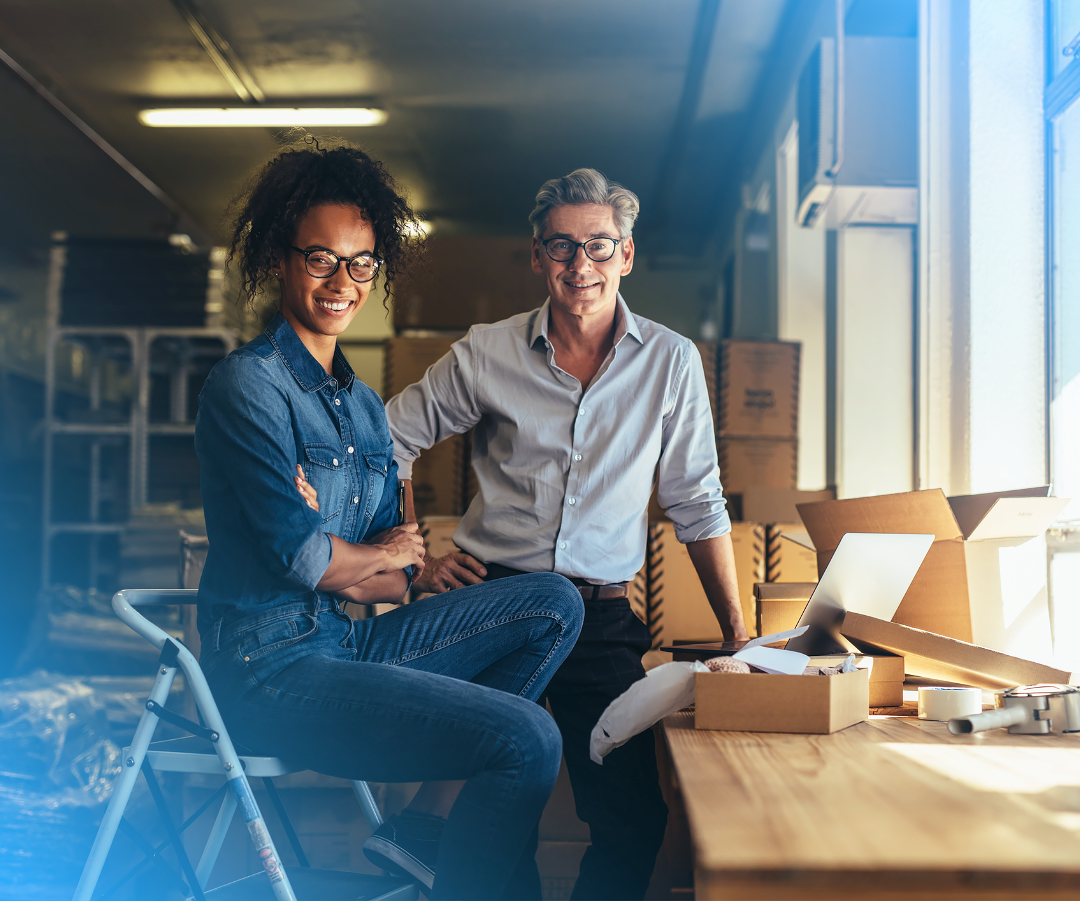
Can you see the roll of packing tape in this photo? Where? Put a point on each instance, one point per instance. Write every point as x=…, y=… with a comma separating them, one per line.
x=947, y=703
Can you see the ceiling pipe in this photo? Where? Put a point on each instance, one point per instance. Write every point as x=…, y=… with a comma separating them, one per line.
x=838, y=93
x=675, y=155
x=221, y=52
x=105, y=147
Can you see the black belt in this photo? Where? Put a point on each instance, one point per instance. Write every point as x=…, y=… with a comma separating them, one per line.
x=588, y=591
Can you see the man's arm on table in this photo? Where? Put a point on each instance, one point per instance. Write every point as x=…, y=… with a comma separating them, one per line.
x=714, y=560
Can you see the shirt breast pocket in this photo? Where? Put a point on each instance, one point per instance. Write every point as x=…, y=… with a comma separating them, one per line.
x=325, y=472
x=378, y=467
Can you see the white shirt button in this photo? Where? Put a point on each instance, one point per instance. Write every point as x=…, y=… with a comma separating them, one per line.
x=351, y=448
x=581, y=412
x=337, y=401
x=562, y=545
x=571, y=501
x=577, y=456
x=335, y=461
x=356, y=500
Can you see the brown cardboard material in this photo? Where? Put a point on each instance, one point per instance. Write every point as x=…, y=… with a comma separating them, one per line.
x=780, y=604
x=677, y=607
x=960, y=589
x=758, y=463
x=940, y=657
x=886, y=675
x=886, y=694
x=758, y=389
x=439, y=476
x=773, y=703
x=451, y=292
x=787, y=560
x=774, y=505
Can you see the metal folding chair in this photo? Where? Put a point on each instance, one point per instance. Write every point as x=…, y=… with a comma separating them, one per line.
x=210, y=750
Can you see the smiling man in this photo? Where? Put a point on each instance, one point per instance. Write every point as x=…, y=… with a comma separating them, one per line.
x=578, y=406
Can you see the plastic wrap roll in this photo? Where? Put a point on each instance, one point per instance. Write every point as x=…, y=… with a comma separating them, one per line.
x=948, y=703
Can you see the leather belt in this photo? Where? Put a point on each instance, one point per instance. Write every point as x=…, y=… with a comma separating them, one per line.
x=589, y=592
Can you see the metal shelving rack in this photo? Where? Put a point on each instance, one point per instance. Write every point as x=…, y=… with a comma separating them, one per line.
x=105, y=342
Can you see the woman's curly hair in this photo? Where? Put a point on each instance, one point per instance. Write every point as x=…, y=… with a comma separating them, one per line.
x=265, y=216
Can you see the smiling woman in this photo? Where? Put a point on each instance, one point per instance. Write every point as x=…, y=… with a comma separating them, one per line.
x=441, y=690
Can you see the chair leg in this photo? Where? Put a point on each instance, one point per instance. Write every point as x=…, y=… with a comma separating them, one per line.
x=286, y=823
x=216, y=840
x=367, y=803
x=174, y=836
x=131, y=766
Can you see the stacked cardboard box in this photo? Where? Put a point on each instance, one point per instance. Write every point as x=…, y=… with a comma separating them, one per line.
x=676, y=607
x=439, y=475
x=757, y=414
x=466, y=280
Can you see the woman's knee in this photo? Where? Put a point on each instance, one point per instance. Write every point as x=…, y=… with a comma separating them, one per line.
x=562, y=598
x=534, y=742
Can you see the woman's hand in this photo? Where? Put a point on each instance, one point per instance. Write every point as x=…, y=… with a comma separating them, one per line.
x=309, y=494
x=403, y=546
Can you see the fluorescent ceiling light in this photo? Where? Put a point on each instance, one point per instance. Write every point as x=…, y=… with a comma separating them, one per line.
x=256, y=116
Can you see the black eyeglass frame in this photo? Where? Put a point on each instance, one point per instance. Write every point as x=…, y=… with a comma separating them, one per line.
x=582, y=244
x=339, y=260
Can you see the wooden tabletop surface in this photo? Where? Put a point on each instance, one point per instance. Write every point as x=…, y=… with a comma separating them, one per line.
x=892, y=808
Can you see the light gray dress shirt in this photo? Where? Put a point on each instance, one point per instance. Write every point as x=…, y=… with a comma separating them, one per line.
x=565, y=474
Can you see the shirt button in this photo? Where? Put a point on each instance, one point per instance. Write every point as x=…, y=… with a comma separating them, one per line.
x=350, y=448
x=337, y=401
x=356, y=500
x=335, y=461
x=571, y=501
x=581, y=412
x=562, y=545
x=577, y=456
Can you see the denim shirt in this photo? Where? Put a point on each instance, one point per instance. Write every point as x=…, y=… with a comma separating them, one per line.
x=264, y=408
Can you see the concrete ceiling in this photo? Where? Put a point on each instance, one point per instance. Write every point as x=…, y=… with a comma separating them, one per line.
x=486, y=99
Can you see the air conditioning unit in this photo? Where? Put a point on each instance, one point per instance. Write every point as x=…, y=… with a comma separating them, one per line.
x=876, y=182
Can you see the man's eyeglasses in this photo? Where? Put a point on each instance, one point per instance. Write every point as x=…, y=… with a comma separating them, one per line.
x=598, y=250
x=323, y=263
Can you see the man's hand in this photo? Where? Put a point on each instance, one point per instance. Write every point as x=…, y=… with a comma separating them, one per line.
x=452, y=571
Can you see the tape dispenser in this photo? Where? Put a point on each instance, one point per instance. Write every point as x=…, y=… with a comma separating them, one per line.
x=1027, y=710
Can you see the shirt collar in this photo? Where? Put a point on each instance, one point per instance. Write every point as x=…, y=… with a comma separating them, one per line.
x=625, y=323
x=303, y=366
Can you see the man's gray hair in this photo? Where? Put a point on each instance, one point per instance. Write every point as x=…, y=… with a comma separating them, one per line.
x=585, y=186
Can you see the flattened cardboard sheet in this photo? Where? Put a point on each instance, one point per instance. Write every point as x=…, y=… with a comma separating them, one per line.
x=939, y=657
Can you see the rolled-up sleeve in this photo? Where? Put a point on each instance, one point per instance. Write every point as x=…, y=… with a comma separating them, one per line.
x=441, y=404
x=689, y=486
x=244, y=432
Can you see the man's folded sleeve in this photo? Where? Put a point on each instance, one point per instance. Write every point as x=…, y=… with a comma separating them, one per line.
x=244, y=429
x=441, y=404
x=689, y=486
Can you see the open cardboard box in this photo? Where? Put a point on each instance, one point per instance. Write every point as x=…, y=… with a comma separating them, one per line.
x=983, y=580
x=761, y=702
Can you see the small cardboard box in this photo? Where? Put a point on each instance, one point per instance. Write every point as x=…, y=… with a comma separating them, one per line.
x=886, y=675
x=758, y=389
x=780, y=604
x=758, y=463
x=772, y=703
x=984, y=578
x=677, y=607
x=939, y=657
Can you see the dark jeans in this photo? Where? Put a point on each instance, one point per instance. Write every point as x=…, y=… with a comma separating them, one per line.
x=621, y=801
x=441, y=689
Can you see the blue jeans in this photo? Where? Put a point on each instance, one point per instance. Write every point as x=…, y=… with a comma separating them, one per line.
x=441, y=689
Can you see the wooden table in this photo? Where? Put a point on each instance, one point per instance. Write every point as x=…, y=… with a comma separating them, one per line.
x=891, y=808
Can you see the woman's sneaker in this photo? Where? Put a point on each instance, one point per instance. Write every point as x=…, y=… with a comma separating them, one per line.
x=407, y=845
